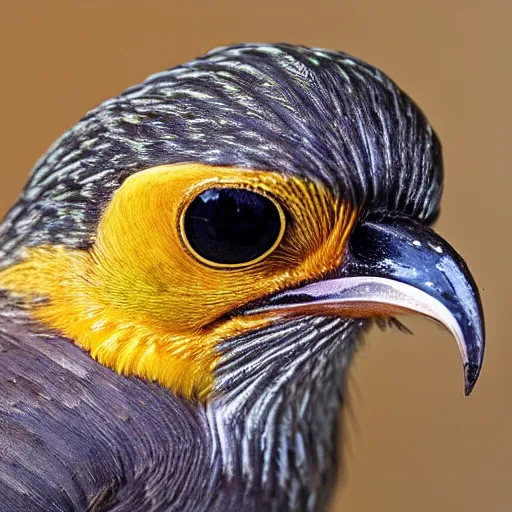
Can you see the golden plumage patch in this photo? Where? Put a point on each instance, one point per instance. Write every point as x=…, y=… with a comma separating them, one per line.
x=141, y=302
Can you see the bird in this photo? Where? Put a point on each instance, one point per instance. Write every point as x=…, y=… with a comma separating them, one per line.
x=189, y=271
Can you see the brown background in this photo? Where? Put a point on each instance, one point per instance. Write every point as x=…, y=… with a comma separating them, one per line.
x=412, y=441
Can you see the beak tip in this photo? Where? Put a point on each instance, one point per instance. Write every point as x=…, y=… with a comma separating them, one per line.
x=471, y=373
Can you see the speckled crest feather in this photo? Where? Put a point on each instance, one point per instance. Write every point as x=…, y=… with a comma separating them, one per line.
x=302, y=111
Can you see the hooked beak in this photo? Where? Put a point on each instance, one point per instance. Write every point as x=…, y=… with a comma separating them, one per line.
x=396, y=268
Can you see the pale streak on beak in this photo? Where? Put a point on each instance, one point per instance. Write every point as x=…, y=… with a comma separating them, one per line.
x=392, y=269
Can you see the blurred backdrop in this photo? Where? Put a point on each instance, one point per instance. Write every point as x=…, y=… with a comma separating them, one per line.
x=411, y=441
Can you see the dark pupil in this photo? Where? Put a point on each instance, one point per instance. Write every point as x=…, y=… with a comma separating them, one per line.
x=230, y=225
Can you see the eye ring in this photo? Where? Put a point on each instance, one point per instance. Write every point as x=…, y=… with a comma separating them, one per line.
x=198, y=192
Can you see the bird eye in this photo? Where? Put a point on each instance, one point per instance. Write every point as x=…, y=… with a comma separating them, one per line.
x=232, y=226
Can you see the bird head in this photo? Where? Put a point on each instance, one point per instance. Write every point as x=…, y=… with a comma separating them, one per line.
x=251, y=190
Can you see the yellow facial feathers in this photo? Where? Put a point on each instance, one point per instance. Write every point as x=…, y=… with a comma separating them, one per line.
x=141, y=302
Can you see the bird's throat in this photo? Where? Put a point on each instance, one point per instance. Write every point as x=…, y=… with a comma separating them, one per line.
x=277, y=408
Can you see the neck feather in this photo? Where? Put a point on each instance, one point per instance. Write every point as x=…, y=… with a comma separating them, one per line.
x=276, y=404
